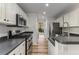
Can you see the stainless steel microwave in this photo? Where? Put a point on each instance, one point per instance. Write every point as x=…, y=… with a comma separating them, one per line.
x=20, y=21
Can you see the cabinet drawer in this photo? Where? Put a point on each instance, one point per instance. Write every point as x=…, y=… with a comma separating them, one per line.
x=20, y=50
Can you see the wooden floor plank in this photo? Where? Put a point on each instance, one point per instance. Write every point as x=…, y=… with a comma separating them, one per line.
x=41, y=48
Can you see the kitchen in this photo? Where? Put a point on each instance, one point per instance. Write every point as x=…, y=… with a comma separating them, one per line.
x=15, y=36
x=23, y=24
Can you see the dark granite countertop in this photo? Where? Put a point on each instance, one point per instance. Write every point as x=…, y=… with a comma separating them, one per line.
x=66, y=40
x=8, y=45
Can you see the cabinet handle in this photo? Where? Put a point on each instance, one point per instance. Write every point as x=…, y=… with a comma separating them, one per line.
x=13, y=54
x=4, y=19
x=20, y=53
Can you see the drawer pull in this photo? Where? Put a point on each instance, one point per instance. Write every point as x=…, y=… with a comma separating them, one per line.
x=4, y=19
x=20, y=53
x=13, y=54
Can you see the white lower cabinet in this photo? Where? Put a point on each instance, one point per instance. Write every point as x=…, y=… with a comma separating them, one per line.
x=51, y=48
x=58, y=48
x=66, y=49
x=20, y=50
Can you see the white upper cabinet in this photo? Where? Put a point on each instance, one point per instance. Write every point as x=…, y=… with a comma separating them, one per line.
x=74, y=18
x=2, y=13
x=8, y=13
x=71, y=19
x=11, y=13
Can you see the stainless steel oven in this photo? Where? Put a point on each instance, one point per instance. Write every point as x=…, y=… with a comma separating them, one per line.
x=29, y=46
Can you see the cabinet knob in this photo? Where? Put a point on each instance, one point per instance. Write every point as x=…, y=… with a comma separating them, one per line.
x=13, y=54
x=4, y=19
x=20, y=53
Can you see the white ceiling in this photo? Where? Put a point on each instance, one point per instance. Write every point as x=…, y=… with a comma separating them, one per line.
x=54, y=9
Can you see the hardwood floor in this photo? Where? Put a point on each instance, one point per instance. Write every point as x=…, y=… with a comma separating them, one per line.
x=41, y=48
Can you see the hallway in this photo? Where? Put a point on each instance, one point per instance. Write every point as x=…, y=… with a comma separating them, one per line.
x=41, y=48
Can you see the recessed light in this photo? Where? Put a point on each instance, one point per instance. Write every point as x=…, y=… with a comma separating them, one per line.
x=46, y=4
x=44, y=12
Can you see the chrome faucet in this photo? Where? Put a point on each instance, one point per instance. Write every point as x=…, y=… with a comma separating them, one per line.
x=68, y=29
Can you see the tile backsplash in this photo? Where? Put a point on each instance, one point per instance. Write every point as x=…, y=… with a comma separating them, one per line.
x=4, y=30
x=71, y=30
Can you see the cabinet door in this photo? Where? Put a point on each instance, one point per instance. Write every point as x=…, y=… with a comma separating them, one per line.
x=11, y=13
x=51, y=50
x=12, y=53
x=22, y=48
x=16, y=51
x=3, y=15
x=0, y=12
x=74, y=18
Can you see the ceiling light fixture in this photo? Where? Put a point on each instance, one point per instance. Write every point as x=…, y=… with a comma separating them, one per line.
x=46, y=4
x=44, y=12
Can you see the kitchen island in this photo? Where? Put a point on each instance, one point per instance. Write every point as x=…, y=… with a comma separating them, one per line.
x=65, y=45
